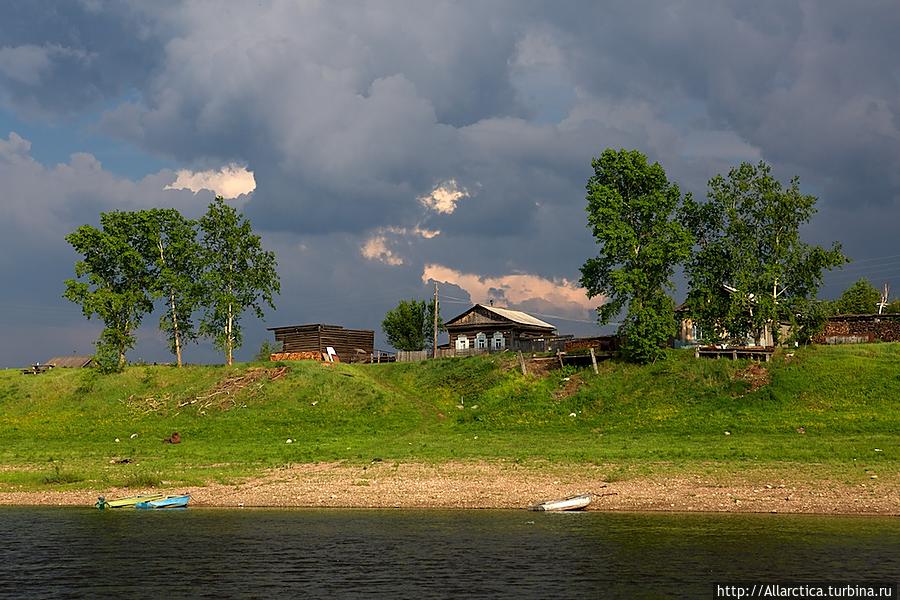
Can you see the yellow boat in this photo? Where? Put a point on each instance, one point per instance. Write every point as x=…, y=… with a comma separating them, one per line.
x=103, y=503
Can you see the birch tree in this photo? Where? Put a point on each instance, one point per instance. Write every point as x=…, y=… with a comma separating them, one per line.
x=111, y=282
x=168, y=242
x=750, y=268
x=237, y=275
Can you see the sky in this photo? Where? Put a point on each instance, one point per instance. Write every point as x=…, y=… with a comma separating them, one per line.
x=381, y=147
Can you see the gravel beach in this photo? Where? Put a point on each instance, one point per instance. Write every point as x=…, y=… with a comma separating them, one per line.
x=509, y=486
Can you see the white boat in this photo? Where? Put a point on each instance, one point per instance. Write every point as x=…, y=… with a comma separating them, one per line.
x=571, y=503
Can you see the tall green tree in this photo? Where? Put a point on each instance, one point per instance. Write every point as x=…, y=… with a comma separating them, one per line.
x=409, y=326
x=237, y=275
x=631, y=212
x=168, y=242
x=111, y=282
x=750, y=266
x=861, y=298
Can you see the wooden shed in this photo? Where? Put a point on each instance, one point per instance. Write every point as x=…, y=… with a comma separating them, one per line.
x=351, y=345
x=493, y=329
x=72, y=362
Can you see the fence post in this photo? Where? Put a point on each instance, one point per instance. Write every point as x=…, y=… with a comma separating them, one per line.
x=522, y=363
x=594, y=362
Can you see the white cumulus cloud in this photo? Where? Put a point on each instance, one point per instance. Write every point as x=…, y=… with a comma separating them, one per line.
x=376, y=248
x=444, y=197
x=516, y=289
x=380, y=245
x=228, y=182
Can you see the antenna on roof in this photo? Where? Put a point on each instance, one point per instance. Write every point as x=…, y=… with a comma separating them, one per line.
x=884, y=298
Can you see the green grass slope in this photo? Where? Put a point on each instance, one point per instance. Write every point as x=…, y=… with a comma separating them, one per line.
x=833, y=409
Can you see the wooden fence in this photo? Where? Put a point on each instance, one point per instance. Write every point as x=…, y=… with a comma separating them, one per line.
x=411, y=355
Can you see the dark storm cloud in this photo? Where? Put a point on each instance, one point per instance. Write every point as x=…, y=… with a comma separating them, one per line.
x=815, y=86
x=58, y=57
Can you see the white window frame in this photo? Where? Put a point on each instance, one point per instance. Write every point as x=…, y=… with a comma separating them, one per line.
x=481, y=341
x=462, y=342
x=498, y=341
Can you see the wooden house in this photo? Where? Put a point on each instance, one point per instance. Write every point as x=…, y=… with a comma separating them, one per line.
x=491, y=329
x=689, y=334
x=351, y=345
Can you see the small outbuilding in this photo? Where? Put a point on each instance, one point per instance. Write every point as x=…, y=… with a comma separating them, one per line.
x=492, y=329
x=71, y=362
x=351, y=345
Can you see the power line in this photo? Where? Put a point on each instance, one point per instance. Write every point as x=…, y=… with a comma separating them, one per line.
x=564, y=318
x=873, y=258
x=891, y=271
x=452, y=298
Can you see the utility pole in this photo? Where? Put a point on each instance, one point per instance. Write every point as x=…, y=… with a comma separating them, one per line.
x=884, y=298
x=434, y=347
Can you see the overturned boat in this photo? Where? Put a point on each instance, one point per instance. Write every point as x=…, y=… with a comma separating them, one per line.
x=578, y=502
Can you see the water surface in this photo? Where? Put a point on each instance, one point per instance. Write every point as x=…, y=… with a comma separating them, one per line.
x=220, y=553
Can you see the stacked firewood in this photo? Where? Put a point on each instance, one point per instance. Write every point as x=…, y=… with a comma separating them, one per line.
x=296, y=356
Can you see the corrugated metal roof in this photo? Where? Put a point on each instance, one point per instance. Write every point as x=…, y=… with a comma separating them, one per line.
x=517, y=316
x=73, y=362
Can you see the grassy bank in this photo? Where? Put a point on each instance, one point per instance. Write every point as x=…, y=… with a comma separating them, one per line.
x=820, y=413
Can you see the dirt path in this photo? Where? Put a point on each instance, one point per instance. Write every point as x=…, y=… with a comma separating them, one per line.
x=490, y=485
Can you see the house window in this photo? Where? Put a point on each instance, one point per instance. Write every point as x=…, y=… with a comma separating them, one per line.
x=481, y=341
x=499, y=342
x=462, y=343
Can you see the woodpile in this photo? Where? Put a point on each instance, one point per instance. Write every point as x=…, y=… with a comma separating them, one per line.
x=849, y=329
x=605, y=343
x=295, y=356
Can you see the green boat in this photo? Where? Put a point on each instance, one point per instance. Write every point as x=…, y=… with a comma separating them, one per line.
x=103, y=503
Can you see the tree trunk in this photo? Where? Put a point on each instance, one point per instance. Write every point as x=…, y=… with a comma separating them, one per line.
x=175, y=331
x=229, y=342
x=121, y=347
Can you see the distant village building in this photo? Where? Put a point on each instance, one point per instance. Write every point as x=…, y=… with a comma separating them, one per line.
x=492, y=329
x=313, y=341
x=857, y=329
x=689, y=333
x=71, y=362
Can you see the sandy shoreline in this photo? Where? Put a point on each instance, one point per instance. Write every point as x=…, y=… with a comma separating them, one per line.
x=489, y=485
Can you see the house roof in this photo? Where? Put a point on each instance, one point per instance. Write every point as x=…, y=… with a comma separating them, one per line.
x=74, y=362
x=516, y=316
x=316, y=327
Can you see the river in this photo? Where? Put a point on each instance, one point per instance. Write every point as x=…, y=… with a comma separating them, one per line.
x=226, y=553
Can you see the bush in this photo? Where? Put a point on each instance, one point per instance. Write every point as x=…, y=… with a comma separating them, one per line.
x=266, y=349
